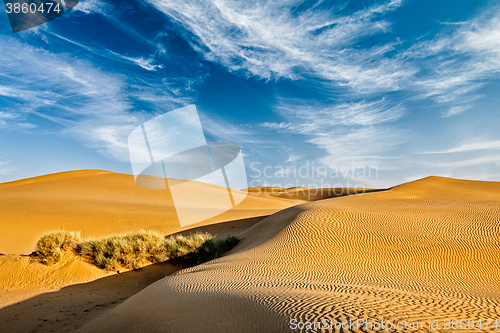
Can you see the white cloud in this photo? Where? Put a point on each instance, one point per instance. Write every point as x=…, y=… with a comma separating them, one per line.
x=309, y=119
x=4, y=170
x=358, y=145
x=467, y=147
x=90, y=6
x=468, y=160
x=146, y=63
x=294, y=158
x=224, y=130
x=269, y=40
x=454, y=110
x=348, y=132
x=278, y=126
x=92, y=105
x=461, y=62
x=6, y=115
x=471, y=162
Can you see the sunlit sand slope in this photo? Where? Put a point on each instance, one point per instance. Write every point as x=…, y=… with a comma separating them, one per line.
x=99, y=203
x=423, y=250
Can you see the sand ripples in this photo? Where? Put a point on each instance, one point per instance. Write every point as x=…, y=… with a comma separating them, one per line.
x=422, y=251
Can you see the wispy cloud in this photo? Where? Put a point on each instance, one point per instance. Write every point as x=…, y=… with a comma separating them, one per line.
x=348, y=132
x=4, y=169
x=221, y=129
x=90, y=7
x=470, y=162
x=146, y=63
x=461, y=61
x=6, y=115
x=353, y=67
x=288, y=39
x=292, y=158
x=273, y=40
x=92, y=106
x=467, y=147
x=454, y=110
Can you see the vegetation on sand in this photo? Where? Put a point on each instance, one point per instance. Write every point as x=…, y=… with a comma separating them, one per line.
x=132, y=251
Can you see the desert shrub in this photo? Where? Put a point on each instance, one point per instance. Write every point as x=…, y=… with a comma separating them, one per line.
x=50, y=246
x=206, y=251
x=180, y=246
x=132, y=251
x=129, y=251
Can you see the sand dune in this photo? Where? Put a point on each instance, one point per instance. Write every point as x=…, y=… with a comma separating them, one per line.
x=420, y=251
x=423, y=250
x=98, y=203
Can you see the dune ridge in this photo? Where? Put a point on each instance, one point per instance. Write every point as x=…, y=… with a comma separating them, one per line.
x=420, y=251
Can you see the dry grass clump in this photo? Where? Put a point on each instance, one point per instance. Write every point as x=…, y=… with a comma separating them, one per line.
x=206, y=251
x=126, y=251
x=50, y=246
x=132, y=251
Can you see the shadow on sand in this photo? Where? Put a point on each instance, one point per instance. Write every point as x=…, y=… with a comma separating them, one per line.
x=71, y=307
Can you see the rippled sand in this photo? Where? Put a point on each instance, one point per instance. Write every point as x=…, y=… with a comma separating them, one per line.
x=420, y=251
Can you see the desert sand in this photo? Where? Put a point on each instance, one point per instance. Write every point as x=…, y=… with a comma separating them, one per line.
x=97, y=203
x=420, y=251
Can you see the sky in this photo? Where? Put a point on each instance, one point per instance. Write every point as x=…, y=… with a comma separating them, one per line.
x=316, y=93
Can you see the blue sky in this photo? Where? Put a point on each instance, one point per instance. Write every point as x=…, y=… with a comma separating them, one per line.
x=408, y=88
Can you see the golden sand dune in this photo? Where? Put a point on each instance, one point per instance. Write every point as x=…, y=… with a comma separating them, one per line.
x=426, y=250
x=98, y=203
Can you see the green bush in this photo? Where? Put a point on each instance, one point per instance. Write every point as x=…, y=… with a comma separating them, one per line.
x=132, y=251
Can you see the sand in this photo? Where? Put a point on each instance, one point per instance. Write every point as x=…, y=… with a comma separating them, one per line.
x=425, y=250
x=65, y=296
x=97, y=203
